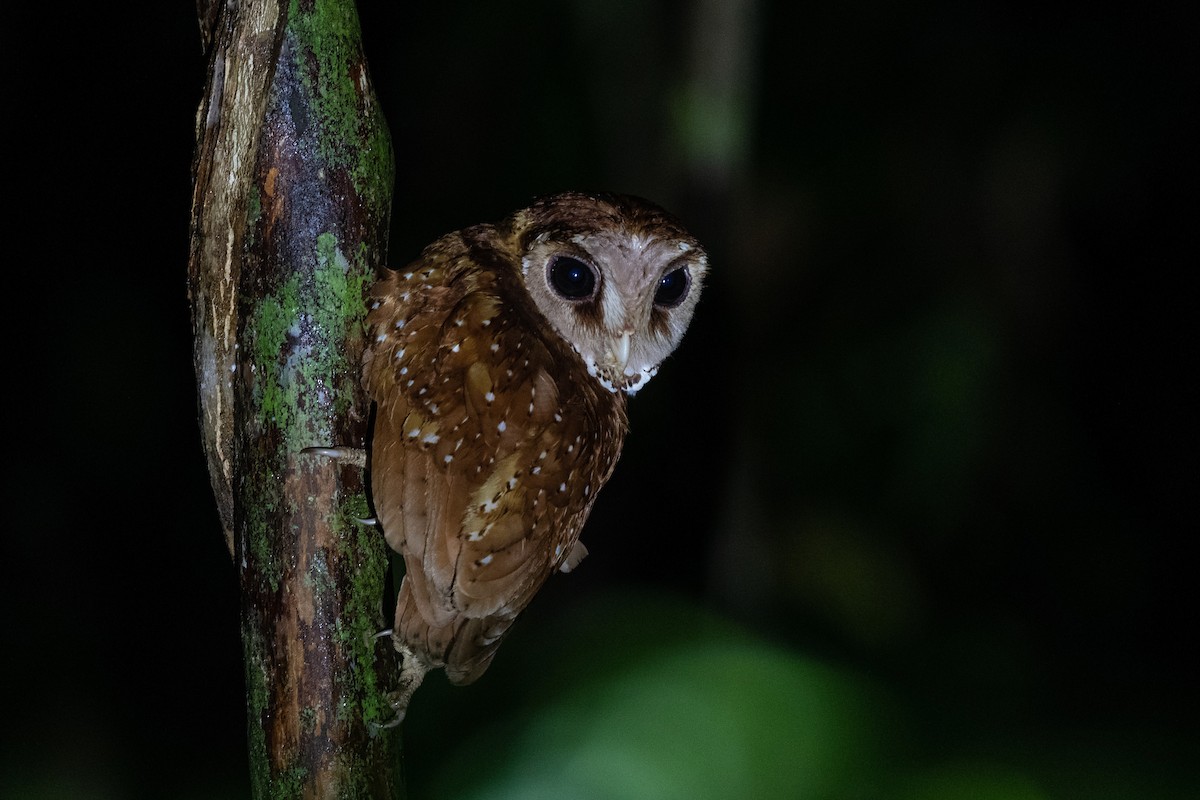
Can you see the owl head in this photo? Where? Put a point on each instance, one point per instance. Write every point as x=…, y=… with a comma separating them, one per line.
x=617, y=277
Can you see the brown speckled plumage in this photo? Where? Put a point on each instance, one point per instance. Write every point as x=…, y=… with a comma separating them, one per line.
x=500, y=406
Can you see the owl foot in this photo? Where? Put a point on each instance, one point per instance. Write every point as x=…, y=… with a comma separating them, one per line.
x=412, y=671
x=355, y=456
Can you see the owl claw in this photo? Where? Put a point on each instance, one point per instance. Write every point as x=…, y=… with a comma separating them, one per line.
x=398, y=700
x=412, y=671
x=370, y=522
x=376, y=728
x=369, y=639
x=355, y=456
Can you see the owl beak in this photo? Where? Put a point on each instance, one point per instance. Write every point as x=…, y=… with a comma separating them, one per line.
x=620, y=351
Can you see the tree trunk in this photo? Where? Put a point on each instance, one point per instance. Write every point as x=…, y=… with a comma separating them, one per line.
x=293, y=178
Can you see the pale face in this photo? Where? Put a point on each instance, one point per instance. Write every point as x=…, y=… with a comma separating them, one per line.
x=618, y=281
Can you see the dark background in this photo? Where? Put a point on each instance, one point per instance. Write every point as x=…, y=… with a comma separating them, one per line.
x=931, y=438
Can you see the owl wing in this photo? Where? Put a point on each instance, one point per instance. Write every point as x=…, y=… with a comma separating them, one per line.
x=484, y=465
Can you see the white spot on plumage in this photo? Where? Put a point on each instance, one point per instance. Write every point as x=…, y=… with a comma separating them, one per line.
x=562, y=487
x=502, y=426
x=684, y=247
x=490, y=397
x=408, y=276
x=448, y=458
x=404, y=370
x=414, y=433
x=495, y=348
x=430, y=438
x=455, y=348
x=483, y=562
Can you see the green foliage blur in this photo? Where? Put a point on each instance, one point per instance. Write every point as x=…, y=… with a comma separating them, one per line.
x=904, y=516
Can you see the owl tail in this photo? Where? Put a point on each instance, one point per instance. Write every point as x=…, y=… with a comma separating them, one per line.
x=464, y=647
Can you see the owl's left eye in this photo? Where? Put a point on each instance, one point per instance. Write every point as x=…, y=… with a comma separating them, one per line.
x=671, y=288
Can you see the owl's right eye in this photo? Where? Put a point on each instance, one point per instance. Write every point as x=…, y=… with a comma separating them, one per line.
x=572, y=278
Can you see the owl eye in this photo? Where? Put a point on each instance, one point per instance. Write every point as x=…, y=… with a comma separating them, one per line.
x=572, y=278
x=671, y=288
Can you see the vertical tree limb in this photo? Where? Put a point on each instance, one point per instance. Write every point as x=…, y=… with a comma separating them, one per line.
x=292, y=196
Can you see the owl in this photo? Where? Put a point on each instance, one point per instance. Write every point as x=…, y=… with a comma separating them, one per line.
x=499, y=363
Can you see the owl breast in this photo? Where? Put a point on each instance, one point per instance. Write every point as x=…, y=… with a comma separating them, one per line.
x=490, y=444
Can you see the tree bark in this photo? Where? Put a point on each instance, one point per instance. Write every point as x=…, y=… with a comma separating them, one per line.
x=292, y=196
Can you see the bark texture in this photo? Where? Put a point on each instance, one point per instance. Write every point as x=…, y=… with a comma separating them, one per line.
x=293, y=178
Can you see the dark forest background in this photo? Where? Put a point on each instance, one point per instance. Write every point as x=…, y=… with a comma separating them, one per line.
x=906, y=516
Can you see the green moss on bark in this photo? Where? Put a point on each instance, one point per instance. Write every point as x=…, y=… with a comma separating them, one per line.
x=329, y=31
x=360, y=620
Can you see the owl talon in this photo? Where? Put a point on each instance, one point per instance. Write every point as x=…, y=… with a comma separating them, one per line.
x=376, y=728
x=354, y=456
x=412, y=671
x=369, y=522
x=369, y=639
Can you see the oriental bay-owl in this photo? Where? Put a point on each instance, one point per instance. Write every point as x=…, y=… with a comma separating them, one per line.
x=499, y=363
